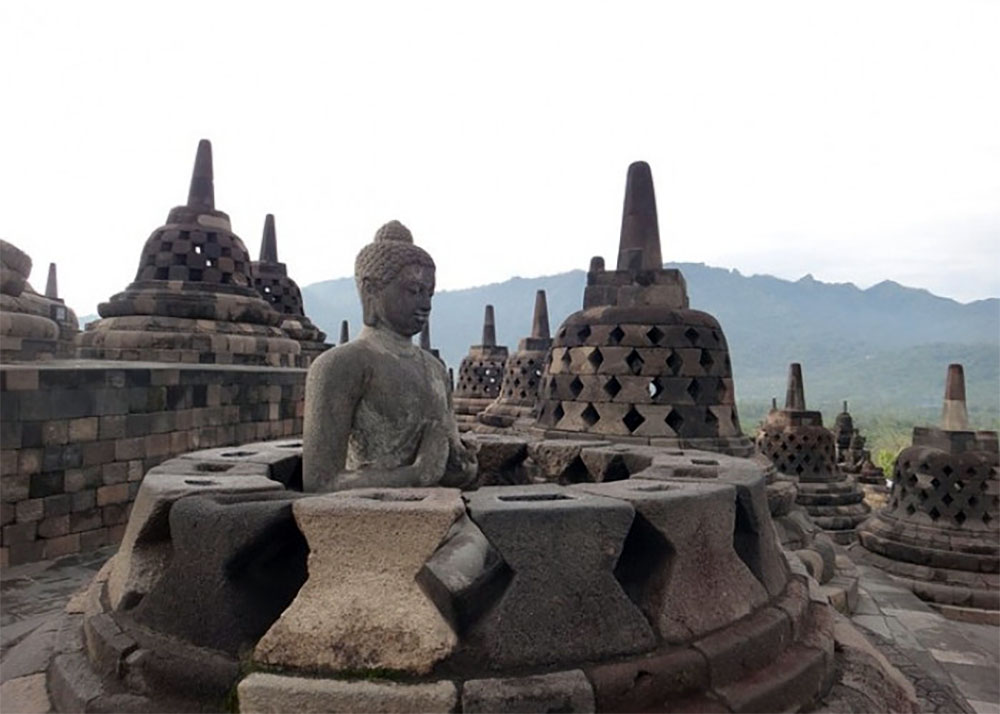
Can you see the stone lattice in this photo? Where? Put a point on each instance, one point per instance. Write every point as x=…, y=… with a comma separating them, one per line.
x=940, y=530
x=193, y=299
x=480, y=375
x=795, y=440
x=637, y=362
x=270, y=278
x=32, y=326
x=522, y=373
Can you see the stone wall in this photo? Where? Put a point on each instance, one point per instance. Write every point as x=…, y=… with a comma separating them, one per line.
x=76, y=438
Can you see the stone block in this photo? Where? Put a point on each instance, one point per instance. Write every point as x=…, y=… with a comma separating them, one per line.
x=678, y=563
x=113, y=514
x=55, y=433
x=749, y=645
x=29, y=461
x=26, y=552
x=263, y=693
x=32, y=509
x=129, y=448
x=96, y=538
x=145, y=547
x=238, y=563
x=365, y=549
x=53, y=527
x=532, y=623
x=500, y=458
x=556, y=692
x=117, y=493
x=26, y=695
x=112, y=427
x=63, y=545
x=20, y=380
x=642, y=684
x=83, y=429
x=84, y=500
x=58, y=505
x=8, y=513
x=98, y=452
x=15, y=488
x=20, y=532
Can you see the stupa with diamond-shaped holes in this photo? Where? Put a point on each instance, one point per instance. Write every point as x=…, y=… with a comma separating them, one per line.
x=637, y=362
x=795, y=440
x=480, y=375
x=193, y=298
x=940, y=530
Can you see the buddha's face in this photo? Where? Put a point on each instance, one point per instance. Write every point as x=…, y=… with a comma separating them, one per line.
x=404, y=304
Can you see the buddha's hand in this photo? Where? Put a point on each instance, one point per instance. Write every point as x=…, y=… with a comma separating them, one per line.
x=432, y=455
x=462, y=465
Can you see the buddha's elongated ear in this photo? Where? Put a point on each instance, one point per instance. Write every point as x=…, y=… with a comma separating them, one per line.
x=369, y=291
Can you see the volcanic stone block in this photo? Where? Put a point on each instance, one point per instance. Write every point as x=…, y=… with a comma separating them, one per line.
x=263, y=693
x=237, y=563
x=366, y=547
x=559, y=459
x=563, y=603
x=500, y=458
x=145, y=548
x=647, y=683
x=678, y=563
x=556, y=692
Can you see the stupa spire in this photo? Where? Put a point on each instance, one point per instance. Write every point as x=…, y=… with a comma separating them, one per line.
x=52, y=284
x=489, y=328
x=425, y=336
x=202, y=192
x=954, y=413
x=795, y=397
x=540, y=319
x=345, y=332
x=269, y=242
x=639, y=245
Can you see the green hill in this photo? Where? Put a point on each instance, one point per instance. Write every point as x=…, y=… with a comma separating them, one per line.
x=883, y=349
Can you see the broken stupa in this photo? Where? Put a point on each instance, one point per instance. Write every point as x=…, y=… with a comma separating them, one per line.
x=270, y=277
x=637, y=361
x=795, y=440
x=193, y=298
x=480, y=375
x=522, y=373
x=939, y=533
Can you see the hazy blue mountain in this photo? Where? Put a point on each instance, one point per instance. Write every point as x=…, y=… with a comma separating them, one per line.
x=883, y=347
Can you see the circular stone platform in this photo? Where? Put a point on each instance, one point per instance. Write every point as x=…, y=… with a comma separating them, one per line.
x=602, y=576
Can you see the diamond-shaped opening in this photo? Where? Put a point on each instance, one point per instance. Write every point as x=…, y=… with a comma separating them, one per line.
x=711, y=421
x=633, y=420
x=934, y=513
x=566, y=358
x=590, y=415
x=575, y=387
x=987, y=517
x=947, y=499
x=612, y=387
x=674, y=362
x=553, y=387
x=634, y=362
x=960, y=517
x=692, y=335
x=595, y=358
x=465, y=576
x=706, y=360
x=694, y=389
x=971, y=471
x=644, y=564
x=935, y=483
x=654, y=334
x=922, y=495
x=912, y=480
x=799, y=469
x=910, y=509
x=558, y=413
x=746, y=540
x=947, y=470
x=973, y=501
x=655, y=388
x=675, y=421
x=583, y=333
x=616, y=335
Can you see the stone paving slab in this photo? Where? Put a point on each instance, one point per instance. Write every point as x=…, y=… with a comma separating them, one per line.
x=963, y=654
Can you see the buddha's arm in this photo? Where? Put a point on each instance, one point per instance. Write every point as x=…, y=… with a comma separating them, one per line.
x=334, y=387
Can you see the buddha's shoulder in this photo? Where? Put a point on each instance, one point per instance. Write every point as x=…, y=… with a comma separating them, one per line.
x=352, y=356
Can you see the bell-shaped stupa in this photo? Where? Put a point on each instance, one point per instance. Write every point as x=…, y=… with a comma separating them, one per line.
x=795, y=440
x=843, y=429
x=193, y=298
x=939, y=533
x=33, y=327
x=522, y=373
x=480, y=375
x=637, y=362
x=270, y=277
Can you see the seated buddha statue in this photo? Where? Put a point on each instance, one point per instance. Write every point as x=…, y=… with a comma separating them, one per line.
x=378, y=408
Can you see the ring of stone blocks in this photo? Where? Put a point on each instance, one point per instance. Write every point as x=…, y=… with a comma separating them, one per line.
x=195, y=256
x=933, y=487
x=479, y=378
x=522, y=376
x=896, y=540
x=642, y=420
x=803, y=452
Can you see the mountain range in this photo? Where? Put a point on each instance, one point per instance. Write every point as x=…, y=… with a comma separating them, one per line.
x=882, y=348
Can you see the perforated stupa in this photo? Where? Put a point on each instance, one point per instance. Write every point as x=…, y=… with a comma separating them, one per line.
x=480, y=375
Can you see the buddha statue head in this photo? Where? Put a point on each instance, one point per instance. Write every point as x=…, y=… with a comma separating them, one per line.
x=395, y=280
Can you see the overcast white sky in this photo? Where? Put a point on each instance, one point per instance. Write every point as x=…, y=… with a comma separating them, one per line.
x=854, y=141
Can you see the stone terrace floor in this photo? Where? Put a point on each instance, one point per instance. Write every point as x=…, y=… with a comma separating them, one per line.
x=964, y=655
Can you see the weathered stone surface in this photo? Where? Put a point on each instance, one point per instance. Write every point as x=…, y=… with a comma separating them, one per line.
x=678, y=563
x=25, y=695
x=563, y=604
x=558, y=460
x=365, y=550
x=648, y=683
x=749, y=645
x=556, y=692
x=262, y=693
x=378, y=411
x=480, y=375
x=500, y=457
x=237, y=563
x=145, y=549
